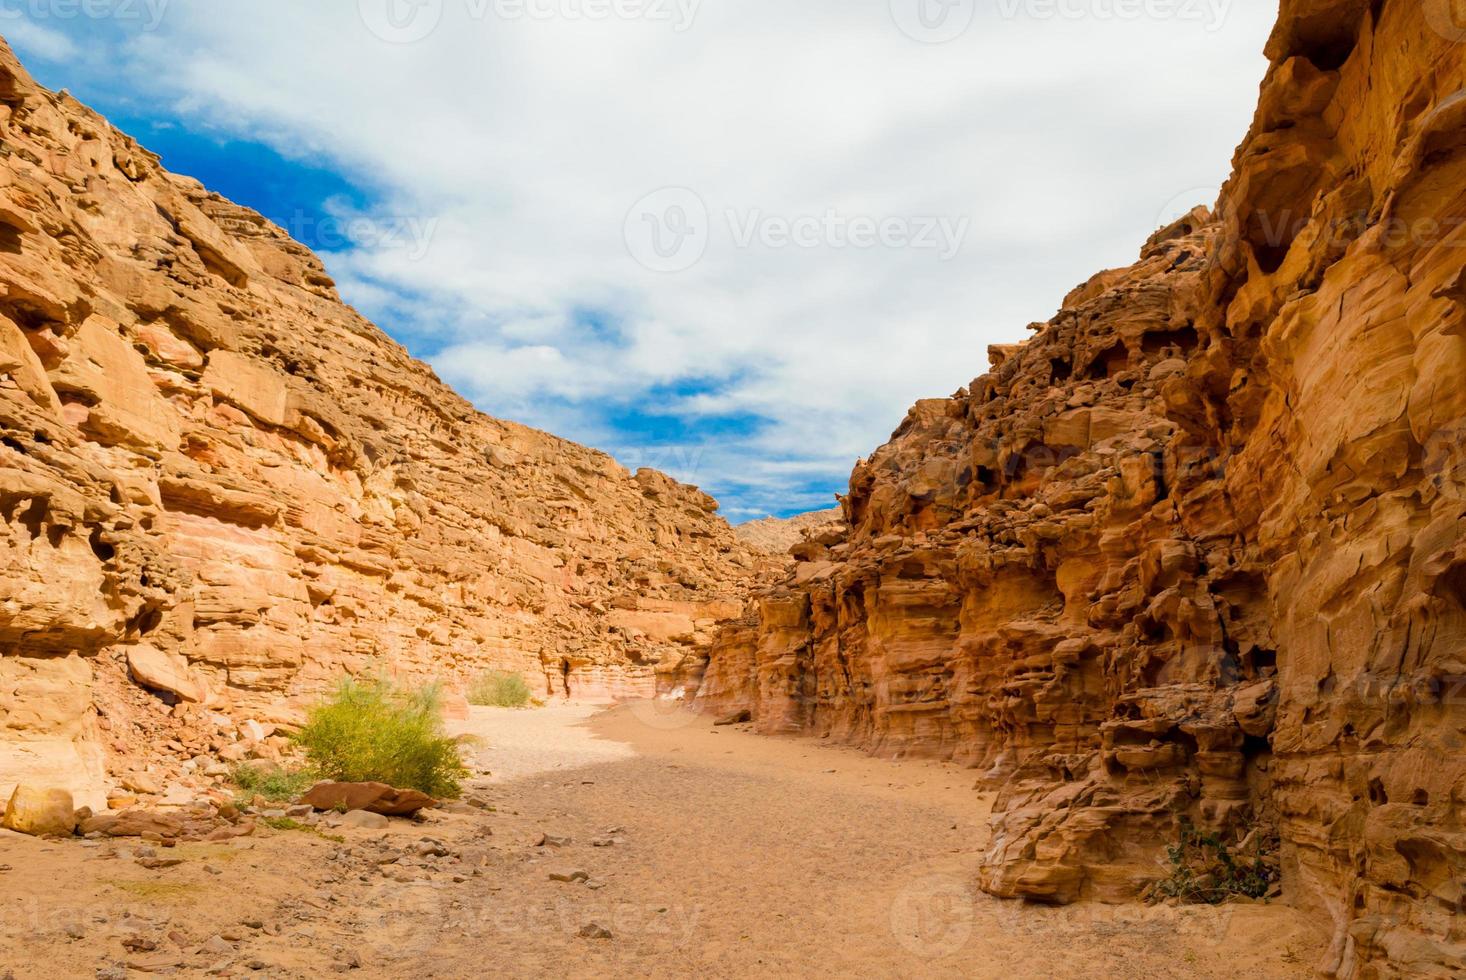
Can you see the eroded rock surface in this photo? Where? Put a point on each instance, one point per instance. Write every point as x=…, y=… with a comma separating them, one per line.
x=219, y=482
x=776, y=535
x=1194, y=550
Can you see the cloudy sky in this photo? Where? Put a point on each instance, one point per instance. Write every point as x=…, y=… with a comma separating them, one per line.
x=733, y=239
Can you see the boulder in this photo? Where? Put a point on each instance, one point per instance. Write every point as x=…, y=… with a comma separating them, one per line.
x=134, y=822
x=364, y=820
x=455, y=706
x=374, y=797
x=40, y=812
x=161, y=671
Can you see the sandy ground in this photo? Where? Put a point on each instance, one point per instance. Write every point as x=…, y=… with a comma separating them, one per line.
x=710, y=852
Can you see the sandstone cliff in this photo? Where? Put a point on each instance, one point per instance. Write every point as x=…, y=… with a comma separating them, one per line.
x=1194, y=550
x=218, y=479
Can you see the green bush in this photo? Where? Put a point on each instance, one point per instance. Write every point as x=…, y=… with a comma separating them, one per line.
x=499, y=689
x=1204, y=869
x=375, y=732
x=272, y=782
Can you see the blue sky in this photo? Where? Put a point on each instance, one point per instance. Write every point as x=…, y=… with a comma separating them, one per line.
x=732, y=239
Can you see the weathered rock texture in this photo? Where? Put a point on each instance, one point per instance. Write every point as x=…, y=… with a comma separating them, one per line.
x=217, y=479
x=1194, y=550
x=776, y=535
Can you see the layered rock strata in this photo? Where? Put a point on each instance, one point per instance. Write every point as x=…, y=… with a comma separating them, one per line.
x=1193, y=552
x=221, y=483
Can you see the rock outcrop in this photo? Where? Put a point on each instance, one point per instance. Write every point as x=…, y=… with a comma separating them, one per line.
x=776, y=535
x=1194, y=551
x=220, y=483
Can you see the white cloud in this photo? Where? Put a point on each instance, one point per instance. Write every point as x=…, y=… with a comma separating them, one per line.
x=31, y=40
x=523, y=143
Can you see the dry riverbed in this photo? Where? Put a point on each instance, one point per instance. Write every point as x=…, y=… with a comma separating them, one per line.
x=701, y=851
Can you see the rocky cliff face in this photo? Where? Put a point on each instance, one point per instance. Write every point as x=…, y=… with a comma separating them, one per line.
x=219, y=480
x=1194, y=551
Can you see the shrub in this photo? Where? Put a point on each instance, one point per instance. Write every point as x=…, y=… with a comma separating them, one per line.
x=499, y=689
x=272, y=782
x=1204, y=869
x=375, y=732
x=287, y=824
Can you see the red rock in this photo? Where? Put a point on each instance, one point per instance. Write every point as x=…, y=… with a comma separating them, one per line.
x=135, y=822
x=374, y=797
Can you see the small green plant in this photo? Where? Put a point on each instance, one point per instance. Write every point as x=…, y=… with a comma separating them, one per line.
x=274, y=783
x=499, y=689
x=373, y=731
x=1204, y=869
x=284, y=823
x=287, y=824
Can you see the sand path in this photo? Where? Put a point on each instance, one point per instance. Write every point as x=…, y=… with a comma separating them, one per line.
x=730, y=855
x=793, y=857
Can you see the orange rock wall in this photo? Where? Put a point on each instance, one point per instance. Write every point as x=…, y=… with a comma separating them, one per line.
x=1195, y=549
x=205, y=454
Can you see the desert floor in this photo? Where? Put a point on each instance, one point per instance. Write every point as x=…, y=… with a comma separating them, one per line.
x=710, y=852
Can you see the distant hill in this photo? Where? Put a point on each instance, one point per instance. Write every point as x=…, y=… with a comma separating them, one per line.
x=776, y=535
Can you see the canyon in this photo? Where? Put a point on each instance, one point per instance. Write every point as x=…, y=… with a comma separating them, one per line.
x=1189, y=556
x=1192, y=554
x=221, y=488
